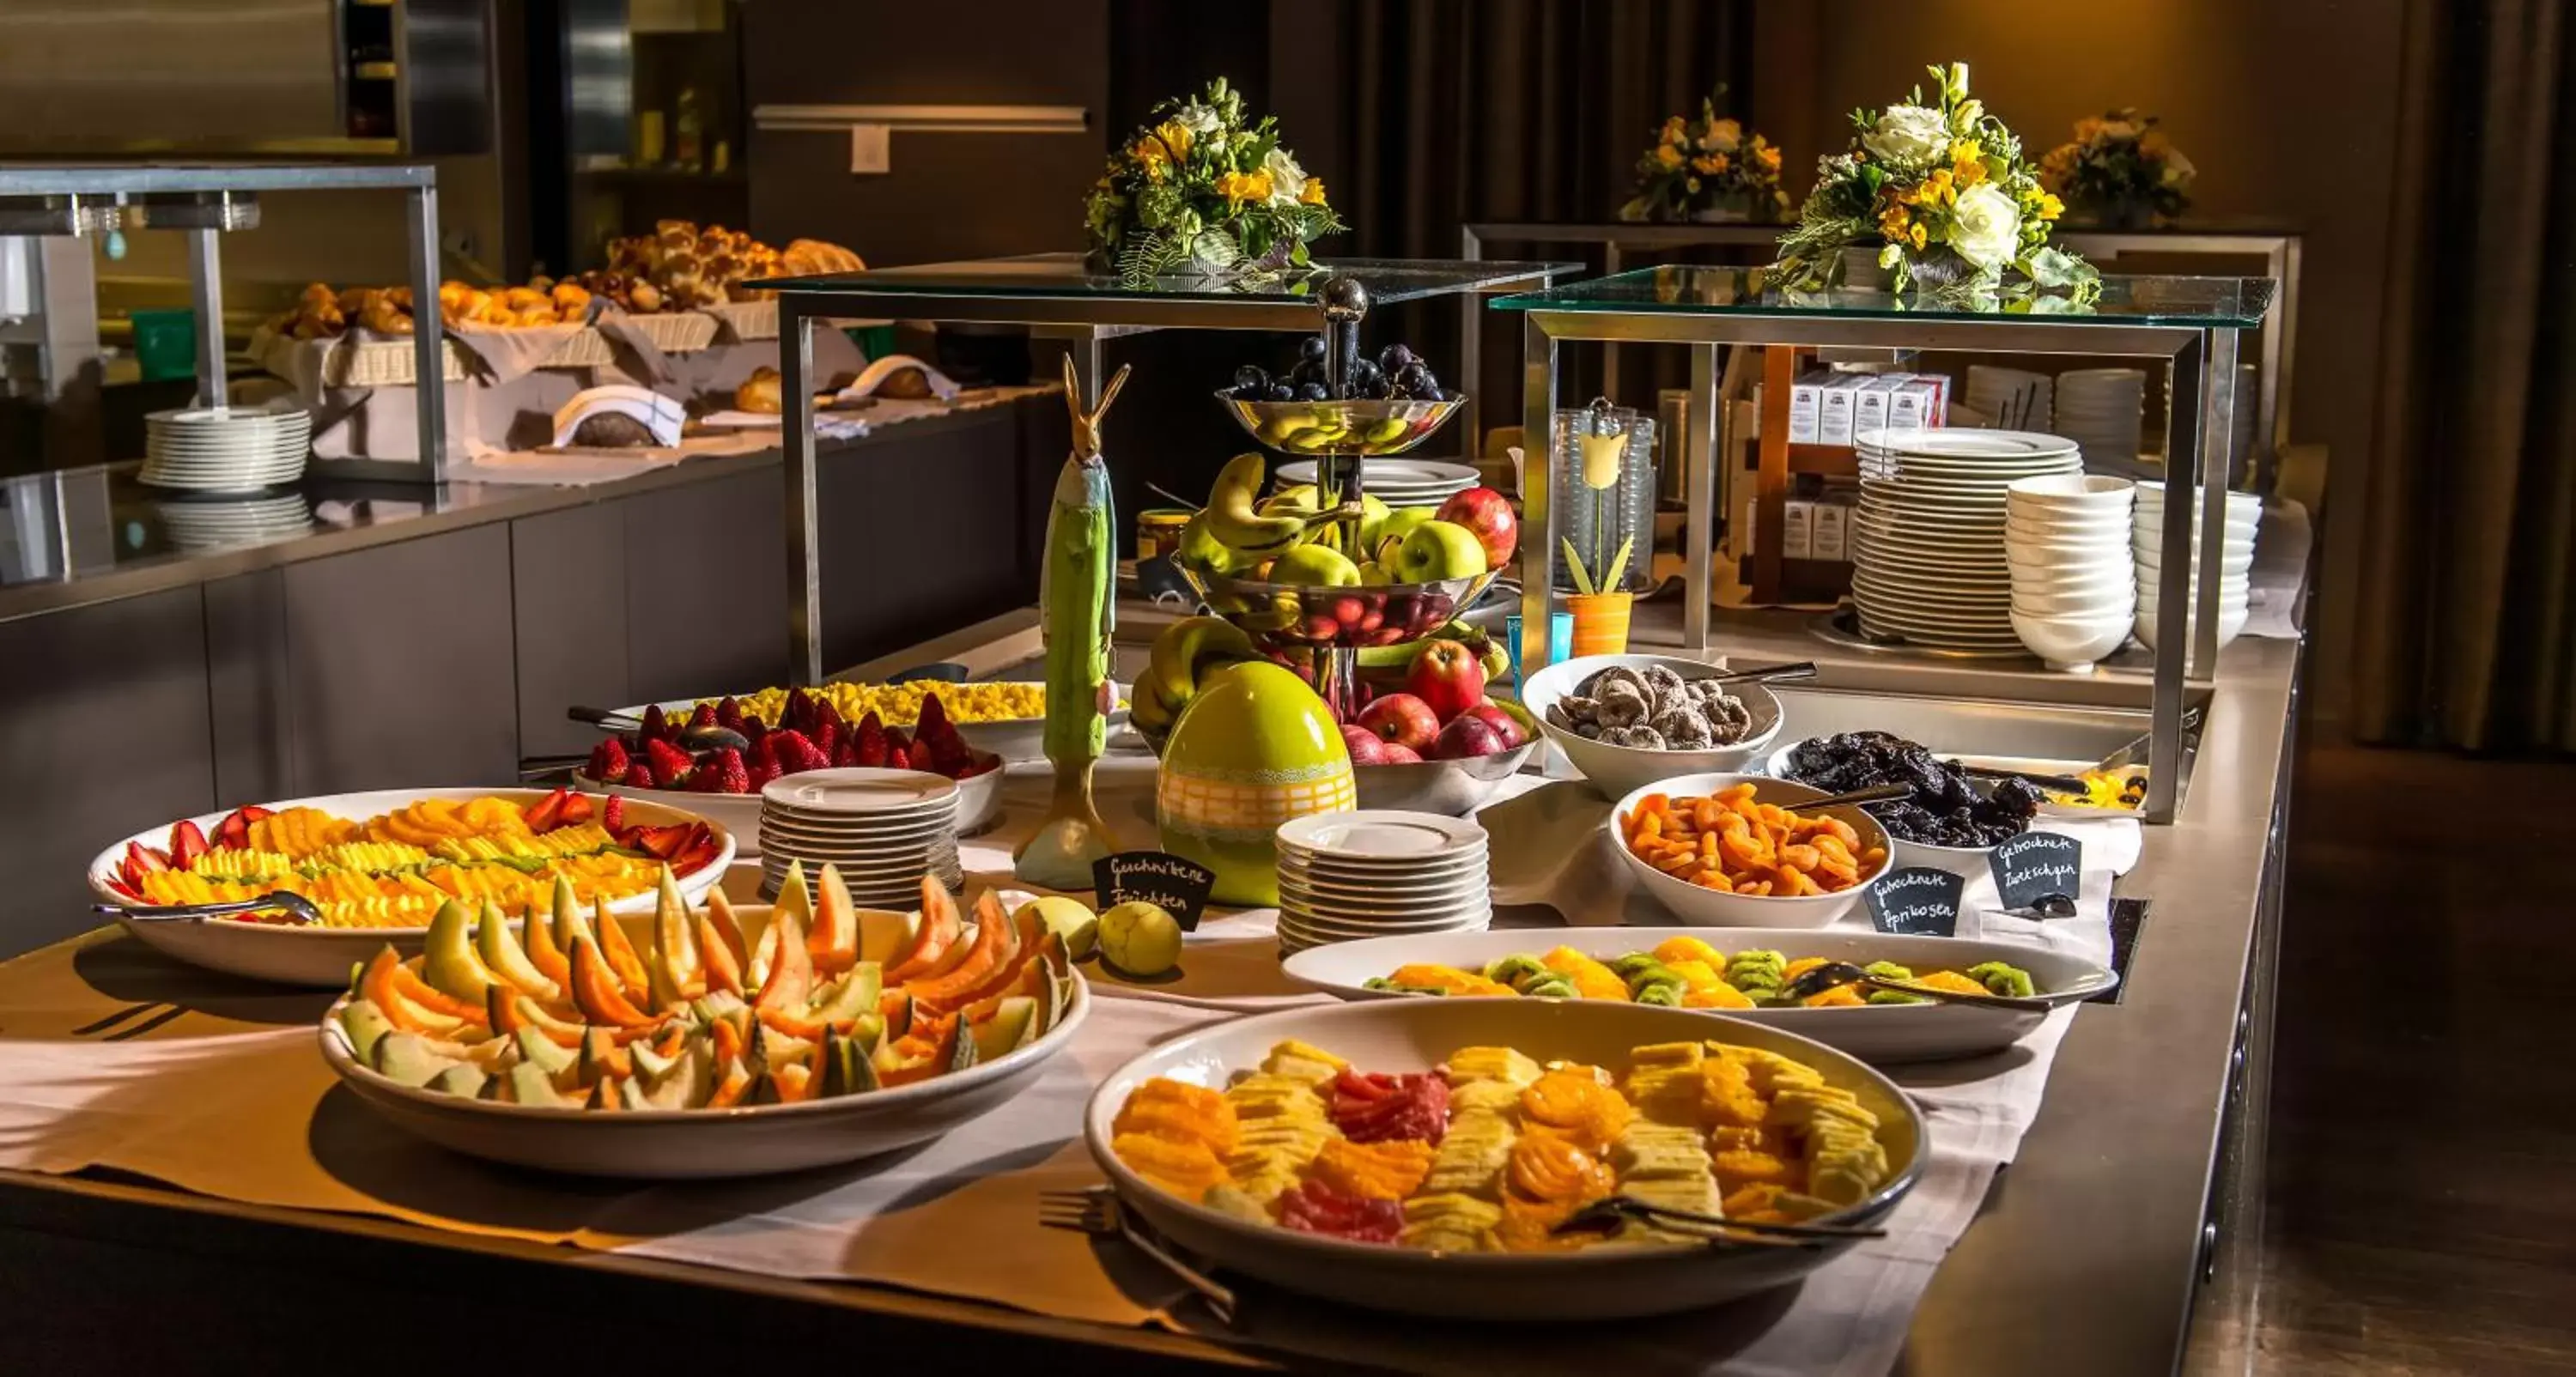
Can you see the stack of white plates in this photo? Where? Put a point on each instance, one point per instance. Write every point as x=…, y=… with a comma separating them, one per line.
x=1928, y=562
x=225, y=449
x=2235, y=561
x=2014, y=398
x=204, y=523
x=1397, y=482
x=1379, y=873
x=2101, y=410
x=2073, y=590
x=885, y=829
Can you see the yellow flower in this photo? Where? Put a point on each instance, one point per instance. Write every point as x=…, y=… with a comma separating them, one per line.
x=1175, y=136
x=1153, y=157
x=1768, y=157
x=1674, y=129
x=1917, y=236
x=1892, y=222
x=1669, y=156
x=1692, y=186
x=1241, y=188
x=1710, y=165
x=1313, y=195
x=2046, y=207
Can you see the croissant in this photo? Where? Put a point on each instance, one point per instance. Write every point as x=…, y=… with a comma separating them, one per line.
x=521, y=298
x=644, y=297
x=380, y=316
x=570, y=299
x=400, y=297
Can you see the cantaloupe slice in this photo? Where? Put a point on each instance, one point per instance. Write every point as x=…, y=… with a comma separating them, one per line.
x=382, y=984
x=596, y=992
x=941, y=928
x=620, y=954
x=988, y=956
x=790, y=982
x=833, y=941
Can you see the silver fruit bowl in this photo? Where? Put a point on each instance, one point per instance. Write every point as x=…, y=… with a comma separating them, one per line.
x=1370, y=428
x=1279, y=616
x=1452, y=787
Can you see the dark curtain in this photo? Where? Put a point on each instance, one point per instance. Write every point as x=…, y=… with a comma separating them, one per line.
x=2466, y=633
x=1529, y=110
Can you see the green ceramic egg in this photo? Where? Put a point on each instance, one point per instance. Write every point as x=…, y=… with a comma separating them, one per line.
x=1254, y=748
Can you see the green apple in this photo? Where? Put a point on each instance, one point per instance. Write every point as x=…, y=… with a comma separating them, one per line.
x=1314, y=566
x=1396, y=525
x=1373, y=517
x=1374, y=573
x=1439, y=550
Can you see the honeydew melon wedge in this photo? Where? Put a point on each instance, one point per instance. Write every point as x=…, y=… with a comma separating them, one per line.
x=447, y=958
x=540, y=1051
x=408, y=1059
x=676, y=972
x=883, y=934
x=464, y=1081
x=529, y=1084
x=687, y=1084
x=363, y=1024
x=794, y=900
x=502, y=955
x=1012, y=1026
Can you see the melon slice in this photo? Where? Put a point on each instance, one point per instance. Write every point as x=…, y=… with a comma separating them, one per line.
x=941, y=928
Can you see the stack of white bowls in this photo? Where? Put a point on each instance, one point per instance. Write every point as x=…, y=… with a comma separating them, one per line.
x=225, y=449
x=1396, y=482
x=211, y=523
x=2102, y=410
x=1380, y=873
x=2010, y=398
x=885, y=829
x=2074, y=592
x=2235, y=561
x=1928, y=564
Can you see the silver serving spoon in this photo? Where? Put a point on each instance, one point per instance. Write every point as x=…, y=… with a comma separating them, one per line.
x=1876, y=793
x=1769, y=674
x=296, y=905
x=706, y=738
x=1815, y=980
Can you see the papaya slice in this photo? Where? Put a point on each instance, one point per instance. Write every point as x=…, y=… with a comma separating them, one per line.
x=728, y=929
x=379, y=985
x=733, y=1085
x=834, y=939
x=789, y=986
x=421, y=994
x=623, y=960
x=596, y=992
x=724, y=964
x=989, y=955
x=941, y=928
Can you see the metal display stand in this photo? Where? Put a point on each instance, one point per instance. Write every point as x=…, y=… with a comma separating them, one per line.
x=1058, y=299
x=205, y=202
x=2280, y=251
x=2192, y=323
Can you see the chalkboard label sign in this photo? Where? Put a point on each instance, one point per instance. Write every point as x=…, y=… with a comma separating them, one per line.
x=1177, y=884
x=2039, y=872
x=1918, y=899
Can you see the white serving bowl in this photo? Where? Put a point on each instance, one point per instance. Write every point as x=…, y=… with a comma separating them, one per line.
x=1695, y=904
x=2077, y=492
x=2078, y=518
x=1615, y=770
x=2232, y=563
x=2231, y=623
x=2088, y=603
x=2072, y=641
x=1877, y=1033
x=2018, y=528
x=700, y=1144
x=2079, y=579
x=321, y=957
x=1416, y=1035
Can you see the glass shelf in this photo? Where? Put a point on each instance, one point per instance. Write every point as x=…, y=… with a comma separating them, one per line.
x=2194, y=302
x=1060, y=275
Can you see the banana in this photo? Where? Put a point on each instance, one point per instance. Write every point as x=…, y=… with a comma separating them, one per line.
x=1186, y=652
x=1233, y=519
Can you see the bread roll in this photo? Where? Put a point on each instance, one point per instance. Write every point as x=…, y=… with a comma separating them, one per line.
x=760, y=392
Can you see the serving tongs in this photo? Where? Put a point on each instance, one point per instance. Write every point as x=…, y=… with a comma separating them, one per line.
x=1767, y=674
x=1815, y=980
x=691, y=738
x=1601, y=1216
x=295, y=906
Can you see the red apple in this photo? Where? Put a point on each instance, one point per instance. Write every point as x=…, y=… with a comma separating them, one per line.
x=1508, y=726
x=1399, y=755
x=1465, y=737
x=1448, y=676
x=1401, y=718
x=1489, y=514
x=1366, y=747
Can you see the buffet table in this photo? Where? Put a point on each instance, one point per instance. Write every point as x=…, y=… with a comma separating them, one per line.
x=169, y=1129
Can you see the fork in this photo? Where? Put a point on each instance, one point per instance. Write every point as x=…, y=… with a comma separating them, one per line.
x=1097, y=1212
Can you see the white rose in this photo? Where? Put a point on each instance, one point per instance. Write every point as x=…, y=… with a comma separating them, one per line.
x=2178, y=169
x=1287, y=179
x=1966, y=114
x=1907, y=134
x=1197, y=118
x=1985, y=226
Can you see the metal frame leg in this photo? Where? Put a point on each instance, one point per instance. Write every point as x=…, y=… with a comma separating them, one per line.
x=1471, y=350
x=2182, y=474
x=804, y=535
x=1699, y=497
x=429, y=346
x=1538, y=492
x=206, y=294
x=2217, y=454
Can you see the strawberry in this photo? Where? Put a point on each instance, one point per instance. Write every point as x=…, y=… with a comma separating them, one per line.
x=846, y=753
x=140, y=860
x=921, y=758
x=233, y=833
x=639, y=774
x=671, y=765
x=655, y=728
x=187, y=843
x=762, y=772
x=703, y=718
x=827, y=733
x=795, y=752
x=607, y=761
x=726, y=773
x=871, y=735
x=947, y=745
x=612, y=815
x=548, y=814
x=577, y=809
x=729, y=714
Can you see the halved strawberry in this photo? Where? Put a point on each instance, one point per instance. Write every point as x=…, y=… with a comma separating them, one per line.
x=548, y=814
x=827, y=733
x=872, y=742
x=140, y=860
x=725, y=773
x=577, y=809
x=671, y=765
x=608, y=761
x=233, y=833
x=187, y=843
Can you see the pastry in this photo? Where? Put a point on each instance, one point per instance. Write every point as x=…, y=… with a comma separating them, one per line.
x=612, y=430
x=760, y=392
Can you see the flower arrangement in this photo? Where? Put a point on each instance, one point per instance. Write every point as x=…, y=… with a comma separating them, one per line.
x=1707, y=166
x=1943, y=190
x=1203, y=190
x=2120, y=169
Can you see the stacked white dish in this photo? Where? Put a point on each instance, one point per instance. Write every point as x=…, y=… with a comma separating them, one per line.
x=2235, y=561
x=1396, y=482
x=225, y=449
x=1380, y=873
x=1928, y=563
x=885, y=829
x=2101, y=410
x=2009, y=398
x=202, y=523
x=2074, y=592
